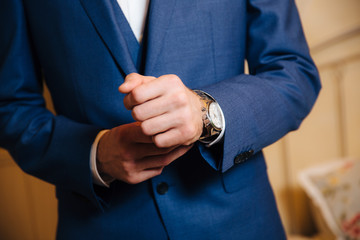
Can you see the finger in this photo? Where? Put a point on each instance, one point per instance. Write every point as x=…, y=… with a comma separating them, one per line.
x=132, y=81
x=164, y=160
x=147, y=91
x=159, y=124
x=183, y=119
x=145, y=150
x=135, y=134
x=151, y=109
x=141, y=176
x=174, y=137
x=159, y=106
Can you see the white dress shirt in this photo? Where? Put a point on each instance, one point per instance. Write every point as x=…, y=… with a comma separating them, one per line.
x=135, y=12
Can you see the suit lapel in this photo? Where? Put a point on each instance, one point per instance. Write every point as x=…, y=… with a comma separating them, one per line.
x=160, y=14
x=105, y=17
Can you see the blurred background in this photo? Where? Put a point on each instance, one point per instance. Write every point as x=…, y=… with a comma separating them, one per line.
x=28, y=206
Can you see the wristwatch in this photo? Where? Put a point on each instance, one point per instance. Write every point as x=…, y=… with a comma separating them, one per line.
x=213, y=119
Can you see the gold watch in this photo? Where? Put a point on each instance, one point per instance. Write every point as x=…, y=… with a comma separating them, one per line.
x=213, y=118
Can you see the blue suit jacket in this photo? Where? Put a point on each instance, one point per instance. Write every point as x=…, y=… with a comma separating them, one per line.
x=85, y=48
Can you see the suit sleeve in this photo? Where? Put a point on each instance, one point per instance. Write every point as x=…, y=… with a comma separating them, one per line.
x=279, y=92
x=53, y=148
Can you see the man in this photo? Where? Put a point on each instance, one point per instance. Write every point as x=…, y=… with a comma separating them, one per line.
x=166, y=162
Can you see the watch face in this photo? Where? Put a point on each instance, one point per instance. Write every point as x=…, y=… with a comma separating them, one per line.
x=215, y=115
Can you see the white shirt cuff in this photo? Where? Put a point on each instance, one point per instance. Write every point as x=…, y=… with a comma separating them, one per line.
x=95, y=174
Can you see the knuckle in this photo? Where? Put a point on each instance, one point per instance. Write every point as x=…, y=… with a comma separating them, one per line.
x=137, y=113
x=180, y=97
x=132, y=177
x=173, y=77
x=126, y=157
x=188, y=131
x=131, y=77
x=132, y=180
x=127, y=167
x=186, y=115
x=137, y=95
x=176, y=79
x=183, y=120
x=146, y=128
x=159, y=142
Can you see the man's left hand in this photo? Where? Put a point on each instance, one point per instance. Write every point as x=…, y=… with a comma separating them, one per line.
x=166, y=108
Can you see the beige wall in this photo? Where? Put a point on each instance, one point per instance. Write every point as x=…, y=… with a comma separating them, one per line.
x=332, y=130
x=28, y=205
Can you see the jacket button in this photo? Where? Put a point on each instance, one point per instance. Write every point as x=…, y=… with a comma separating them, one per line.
x=162, y=188
x=242, y=157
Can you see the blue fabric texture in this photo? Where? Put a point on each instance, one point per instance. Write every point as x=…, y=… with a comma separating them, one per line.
x=83, y=49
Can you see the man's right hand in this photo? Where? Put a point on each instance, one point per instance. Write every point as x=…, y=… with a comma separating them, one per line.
x=125, y=153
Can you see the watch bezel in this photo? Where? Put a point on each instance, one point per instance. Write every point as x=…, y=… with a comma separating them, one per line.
x=210, y=131
x=211, y=119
